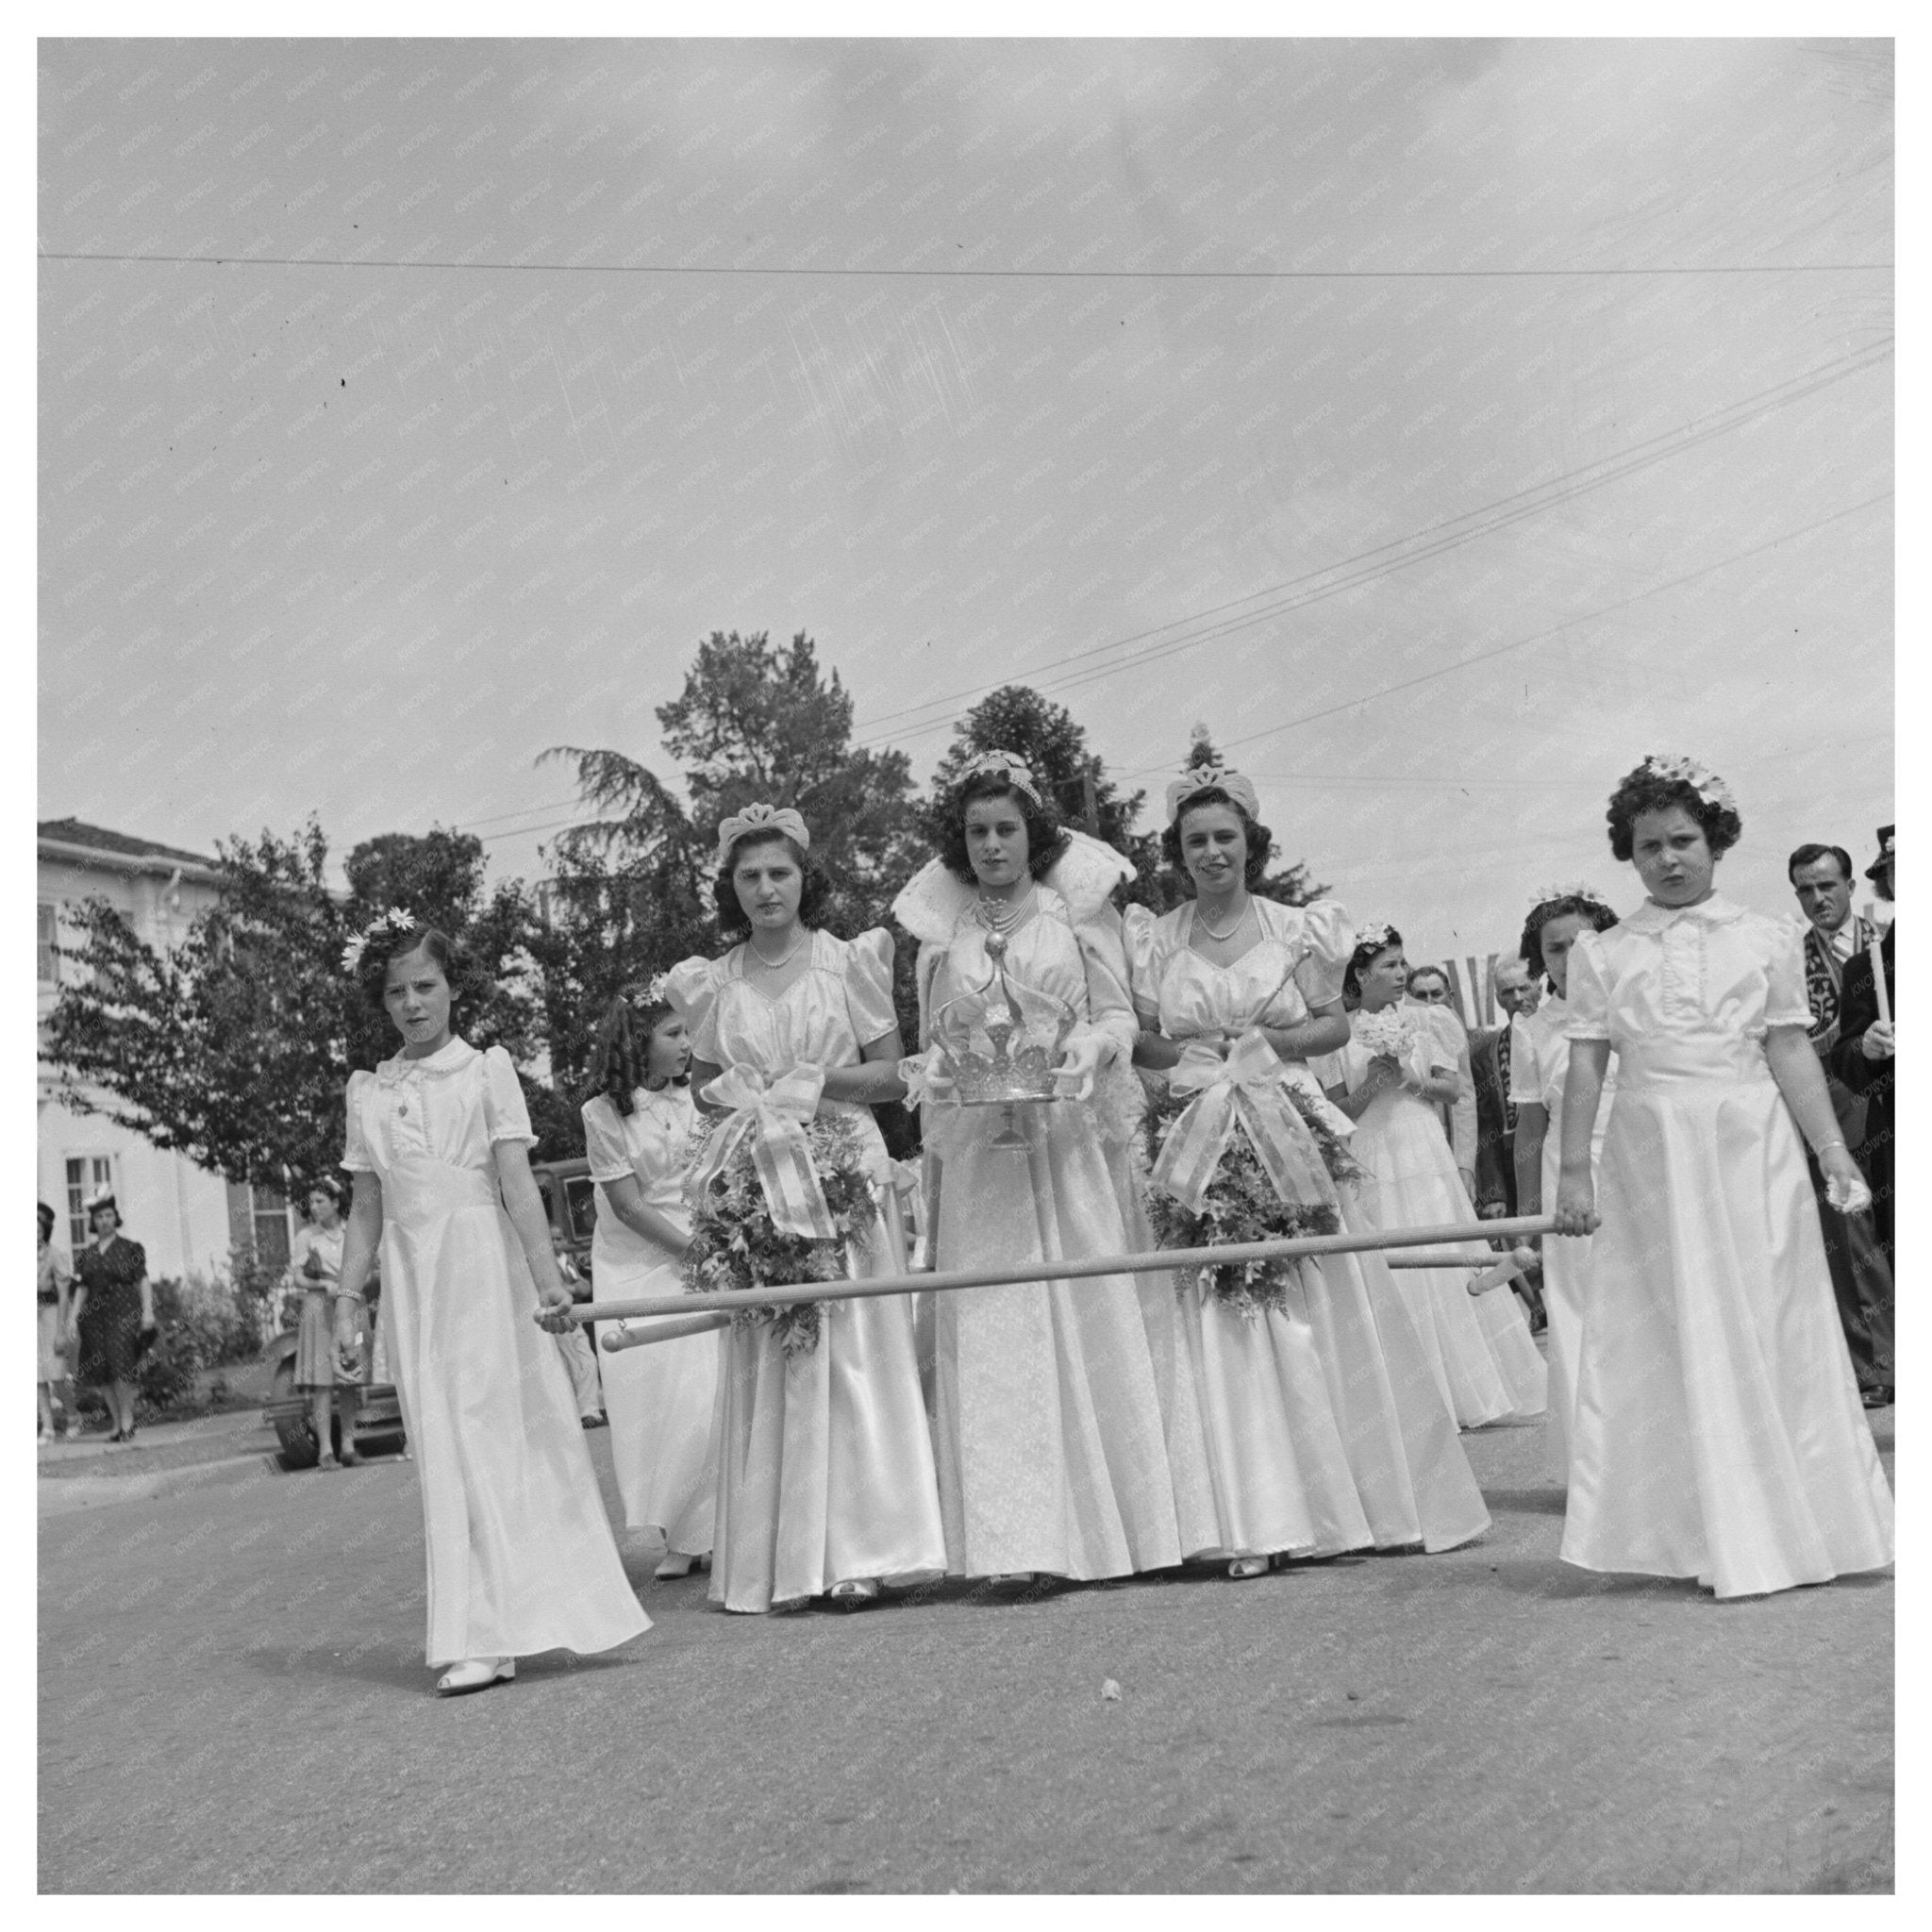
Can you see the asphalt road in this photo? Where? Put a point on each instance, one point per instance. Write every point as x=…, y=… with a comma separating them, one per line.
x=233, y=1698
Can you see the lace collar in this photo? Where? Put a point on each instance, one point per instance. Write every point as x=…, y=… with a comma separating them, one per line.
x=1715, y=910
x=454, y=1054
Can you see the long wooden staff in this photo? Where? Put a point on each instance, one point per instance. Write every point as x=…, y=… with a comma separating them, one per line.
x=1229, y=1254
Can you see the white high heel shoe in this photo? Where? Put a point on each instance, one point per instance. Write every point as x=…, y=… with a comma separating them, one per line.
x=673, y=1565
x=1248, y=1566
x=475, y=1673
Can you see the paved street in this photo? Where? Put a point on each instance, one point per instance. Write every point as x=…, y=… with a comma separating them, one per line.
x=233, y=1698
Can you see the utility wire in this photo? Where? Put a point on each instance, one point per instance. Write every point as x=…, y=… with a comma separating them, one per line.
x=964, y=275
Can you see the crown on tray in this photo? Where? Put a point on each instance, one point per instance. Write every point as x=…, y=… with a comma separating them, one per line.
x=1001, y=1042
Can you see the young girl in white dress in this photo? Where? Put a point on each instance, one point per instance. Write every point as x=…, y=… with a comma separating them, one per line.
x=1480, y=1347
x=826, y=1470
x=521, y=1554
x=1252, y=1436
x=1539, y=1071
x=660, y=1400
x=1048, y=1423
x=1719, y=1433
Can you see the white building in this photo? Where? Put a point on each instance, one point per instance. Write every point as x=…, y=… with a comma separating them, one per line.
x=185, y=1217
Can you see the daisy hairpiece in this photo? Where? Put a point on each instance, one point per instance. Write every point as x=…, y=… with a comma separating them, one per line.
x=1377, y=933
x=394, y=920
x=656, y=992
x=1543, y=895
x=1679, y=770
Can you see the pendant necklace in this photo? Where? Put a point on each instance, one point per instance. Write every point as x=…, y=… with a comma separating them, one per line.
x=1001, y=919
x=1222, y=937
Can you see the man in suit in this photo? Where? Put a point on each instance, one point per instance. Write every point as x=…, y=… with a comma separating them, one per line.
x=1863, y=1056
x=1836, y=939
x=1495, y=1113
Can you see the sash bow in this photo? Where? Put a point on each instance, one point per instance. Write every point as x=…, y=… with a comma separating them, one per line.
x=771, y=1114
x=1249, y=1087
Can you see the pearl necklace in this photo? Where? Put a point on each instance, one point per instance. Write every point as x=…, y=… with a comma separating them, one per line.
x=1222, y=937
x=1002, y=920
x=785, y=959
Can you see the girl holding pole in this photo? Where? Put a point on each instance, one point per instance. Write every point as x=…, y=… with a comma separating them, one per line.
x=1718, y=1429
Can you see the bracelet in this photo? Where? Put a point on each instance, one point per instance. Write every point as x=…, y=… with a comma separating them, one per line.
x=1825, y=1146
x=345, y=1294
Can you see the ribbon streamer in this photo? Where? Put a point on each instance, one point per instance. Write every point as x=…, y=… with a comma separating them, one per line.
x=1248, y=1087
x=771, y=1114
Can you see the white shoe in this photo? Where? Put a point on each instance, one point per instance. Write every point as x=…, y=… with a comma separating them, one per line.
x=855, y=1590
x=673, y=1565
x=1248, y=1566
x=475, y=1673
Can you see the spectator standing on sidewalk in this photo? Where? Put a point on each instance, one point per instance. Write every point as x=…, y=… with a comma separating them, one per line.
x=1834, y=937
x=1517, y=993
x=573, y=1343
x=56, y=1280
x=1863, y=1057
x=113, y=1313
x=329, y=1377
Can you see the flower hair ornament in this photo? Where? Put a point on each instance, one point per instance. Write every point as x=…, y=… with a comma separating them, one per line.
x=1191, y=784
x=762, y=818
x=1377, y=933
x=394, y=921
x=655, y=992
x=1544, y=895
x=1007, y=765
x=1679, y=770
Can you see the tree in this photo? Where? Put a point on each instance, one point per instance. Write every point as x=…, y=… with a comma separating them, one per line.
x=235, y=1048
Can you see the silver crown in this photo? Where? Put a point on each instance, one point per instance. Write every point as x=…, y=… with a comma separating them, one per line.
x=1000, y=1042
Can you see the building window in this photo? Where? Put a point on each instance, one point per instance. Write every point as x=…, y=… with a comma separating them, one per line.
x=87, y=1176
x=47, y=959
x=258, y=1220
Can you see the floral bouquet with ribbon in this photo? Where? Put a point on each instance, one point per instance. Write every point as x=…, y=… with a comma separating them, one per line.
x=1241, y=1153
x=776, y=1194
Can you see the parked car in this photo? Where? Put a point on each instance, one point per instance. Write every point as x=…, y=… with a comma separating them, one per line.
x=569, y=1199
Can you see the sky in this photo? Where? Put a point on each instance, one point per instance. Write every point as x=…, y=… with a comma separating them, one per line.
x=1445, y=425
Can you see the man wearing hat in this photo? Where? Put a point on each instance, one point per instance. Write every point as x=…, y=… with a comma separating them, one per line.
x=1863, y=1057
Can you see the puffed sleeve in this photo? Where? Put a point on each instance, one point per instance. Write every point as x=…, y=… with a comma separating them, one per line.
x=1444, y=1043
x=691, y=987
x=869, y=986
x=1785, y=1002
x=355, y=1148
x=1109, y=1006
x=1525, y=1069
x=1141, y=937
x=1588, y=989
x=505, y=1111
x=1330, y=1069
x=1331, y=940
x=137, y=1260
x=604, y=1141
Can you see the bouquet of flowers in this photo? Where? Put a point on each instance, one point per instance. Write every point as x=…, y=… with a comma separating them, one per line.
x=1390, y=1032
x=734, y=1245
x=1241, y=1204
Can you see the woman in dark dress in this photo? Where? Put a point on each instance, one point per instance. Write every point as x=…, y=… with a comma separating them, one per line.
x=113, y=1306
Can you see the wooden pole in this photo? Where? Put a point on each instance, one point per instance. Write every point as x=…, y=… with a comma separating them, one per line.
x=1158, y=1261
x=673, y=1330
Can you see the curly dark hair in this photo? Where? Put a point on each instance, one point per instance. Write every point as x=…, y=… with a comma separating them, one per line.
x=817, y=889
x=1643, y=791
x=1260, y=840
x=48, y=1219
x=469, y=984
x=1046, y=839
x=621, y=1060
x=1588, y=907
x=1366, y=953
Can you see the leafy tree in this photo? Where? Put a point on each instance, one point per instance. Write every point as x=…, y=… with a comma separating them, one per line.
x=233, y=1049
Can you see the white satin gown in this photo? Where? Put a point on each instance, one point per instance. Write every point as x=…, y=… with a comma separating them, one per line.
x=1718, y=1432
x=661, y=1399
x=521, y=1554
x=826, y=1460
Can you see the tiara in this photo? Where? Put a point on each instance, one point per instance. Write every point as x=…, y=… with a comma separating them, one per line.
x=1679, y=770
x=1191, y=784
x=1009, y=765
x=395, y=920
x=762, y=818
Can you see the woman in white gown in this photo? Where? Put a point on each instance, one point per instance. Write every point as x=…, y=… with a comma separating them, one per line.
x=826, y=1470
x=1485, y=1362
x=660, y=1399
x=1367, y=1446
x=1718, y=1432
x=1538, y=1070
x=521, y=1554
x=1047, y=1425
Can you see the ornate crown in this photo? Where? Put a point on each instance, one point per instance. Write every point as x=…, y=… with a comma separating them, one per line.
x=1000, y=1042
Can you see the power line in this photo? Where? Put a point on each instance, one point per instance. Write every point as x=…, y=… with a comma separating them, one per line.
x=1416, y=547
x=964, y=275
x=1541, y=635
